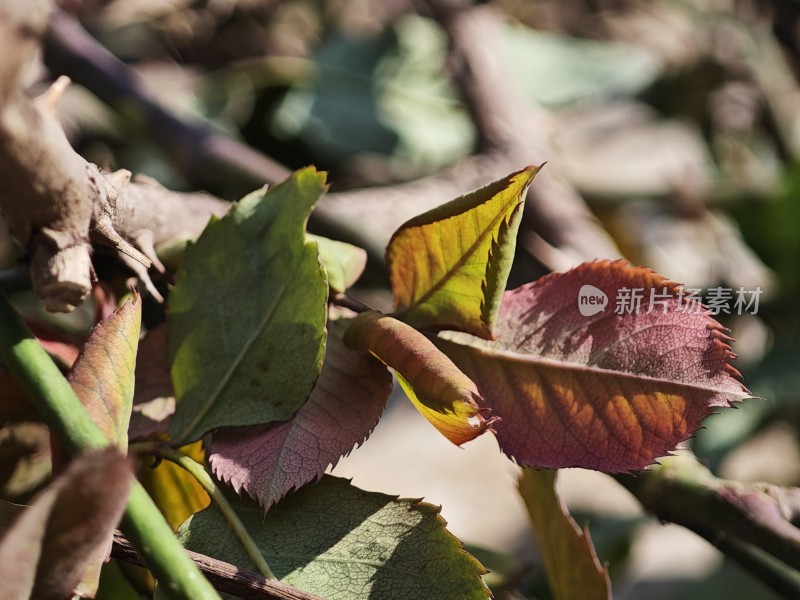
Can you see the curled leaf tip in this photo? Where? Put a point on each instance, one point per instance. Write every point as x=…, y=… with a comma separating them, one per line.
x=438, y=389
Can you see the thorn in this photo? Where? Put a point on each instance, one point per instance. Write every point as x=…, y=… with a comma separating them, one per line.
x=119, y=179
x=49, y=100
x=104, y=232
x=144, y=241
x=144, y=277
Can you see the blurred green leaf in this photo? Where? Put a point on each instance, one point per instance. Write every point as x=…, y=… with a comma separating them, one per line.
x=557, y=70
x=384, y=94
x=343, y=262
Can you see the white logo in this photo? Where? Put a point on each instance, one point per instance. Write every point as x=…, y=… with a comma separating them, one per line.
x=591, y=300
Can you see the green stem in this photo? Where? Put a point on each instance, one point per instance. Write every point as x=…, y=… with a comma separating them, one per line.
x=203, y=477
x=67, y=418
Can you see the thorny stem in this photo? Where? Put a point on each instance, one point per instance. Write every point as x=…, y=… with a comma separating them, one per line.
x=751, y=522
x=52, y=395
x=199, y=472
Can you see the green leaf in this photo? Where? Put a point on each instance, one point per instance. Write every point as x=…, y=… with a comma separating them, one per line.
x=570, y=561
x=381, y=96
x=563, y=70
x=343, y=262
x=337, y=541
x=247, y=315
x=48, y=549
x=449, y=266
x=103, y=374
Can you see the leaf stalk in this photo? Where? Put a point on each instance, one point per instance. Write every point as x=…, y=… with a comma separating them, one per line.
x=204, y=478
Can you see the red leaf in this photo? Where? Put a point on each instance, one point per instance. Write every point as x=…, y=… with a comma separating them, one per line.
x=607, y=391
x=268, y=461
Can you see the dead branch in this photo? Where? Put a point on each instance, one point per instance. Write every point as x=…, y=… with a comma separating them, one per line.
x=204, y=155
x=54, y=200
x=225, y=577
x=514, y=135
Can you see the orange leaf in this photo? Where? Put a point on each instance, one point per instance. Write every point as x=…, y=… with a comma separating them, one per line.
x=438, y=389
x=177, y=494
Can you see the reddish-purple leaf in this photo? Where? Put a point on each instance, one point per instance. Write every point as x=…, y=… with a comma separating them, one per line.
x=152, y=376
x=49, y=548
x=581, y=385
x=268, y=461
x=153, y=396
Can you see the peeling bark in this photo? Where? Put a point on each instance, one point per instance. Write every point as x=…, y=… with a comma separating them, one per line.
x=56, y=202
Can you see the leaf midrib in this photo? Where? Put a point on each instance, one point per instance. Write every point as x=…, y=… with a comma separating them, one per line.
x=212, y=399
x=441, y=282
x=586, y=368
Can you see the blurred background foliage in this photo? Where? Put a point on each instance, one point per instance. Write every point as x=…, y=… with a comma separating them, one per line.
x=678, y=121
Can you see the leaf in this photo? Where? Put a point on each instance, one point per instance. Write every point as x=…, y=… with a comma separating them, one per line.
x=436, y=387
x=569, y=557
x=247, y=315
x=380, y=95
x=153, y=397
x=152, y=376
x=449, y=266
x=14, y=404
x=607, y=391
x=25, y=464
x=268, y=461
x=344, y=263
x=46, y=551
x=103, y=374
x=177, y=494
x=115, y=585
x=61, y=345
x=563, y=70
x=337, y=541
